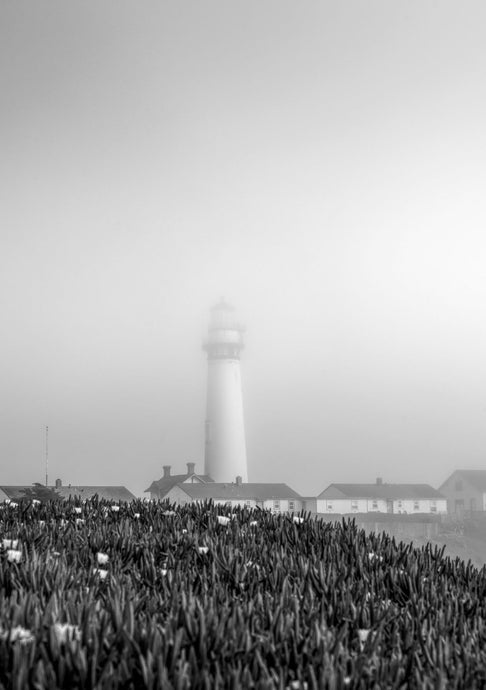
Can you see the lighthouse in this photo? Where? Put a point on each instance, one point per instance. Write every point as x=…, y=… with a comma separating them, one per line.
x=225, y=446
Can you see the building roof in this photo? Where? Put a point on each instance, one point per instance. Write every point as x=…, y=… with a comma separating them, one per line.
x=112, y=493
x=383, y=491
x=257, y=492
x=475, y=477
x=165, y=484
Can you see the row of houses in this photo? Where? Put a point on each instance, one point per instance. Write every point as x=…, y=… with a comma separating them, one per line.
x=464, y=490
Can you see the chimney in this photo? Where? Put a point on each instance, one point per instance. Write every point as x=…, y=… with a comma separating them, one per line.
x=239, y=481
x=190, y=468
x=58, y=483
x=379, y=481
x=166, y=471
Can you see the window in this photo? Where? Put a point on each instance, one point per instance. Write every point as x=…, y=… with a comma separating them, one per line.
x=291, y=505
x=374, y=505
x=416, y=505
x=276, y=505
x=400, y=504
x=433, y=506
x=354, y=505
x=248, y=503
x=329, y=505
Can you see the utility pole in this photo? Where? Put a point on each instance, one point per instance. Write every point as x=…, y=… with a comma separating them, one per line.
x=47, y=453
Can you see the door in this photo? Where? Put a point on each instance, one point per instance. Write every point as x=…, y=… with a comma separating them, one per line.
x=459, y=505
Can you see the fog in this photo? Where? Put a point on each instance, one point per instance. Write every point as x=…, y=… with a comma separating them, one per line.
x=321, y=165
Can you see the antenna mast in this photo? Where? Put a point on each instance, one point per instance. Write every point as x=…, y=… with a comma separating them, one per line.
x=47, y=453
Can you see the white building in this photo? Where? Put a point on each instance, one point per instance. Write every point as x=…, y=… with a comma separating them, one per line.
x=279, y=498
x=159, y=488
x=409, y=499
x=225, y=445
x=192, y=487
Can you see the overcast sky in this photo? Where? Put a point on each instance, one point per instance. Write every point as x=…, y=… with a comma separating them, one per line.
x=320, y=164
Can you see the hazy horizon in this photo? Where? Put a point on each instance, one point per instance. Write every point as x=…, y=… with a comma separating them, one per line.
x=320, y=164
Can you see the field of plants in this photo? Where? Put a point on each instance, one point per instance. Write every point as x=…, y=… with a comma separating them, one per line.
x=147, y=595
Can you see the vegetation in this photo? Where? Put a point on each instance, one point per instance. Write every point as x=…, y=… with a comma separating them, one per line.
x=40, y=493
x=147, y=595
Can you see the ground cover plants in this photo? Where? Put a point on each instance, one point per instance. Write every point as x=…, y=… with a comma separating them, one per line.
x=148, y=595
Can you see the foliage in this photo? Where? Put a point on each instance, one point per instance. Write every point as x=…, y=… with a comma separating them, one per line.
x=41, y=493
x=272, y=603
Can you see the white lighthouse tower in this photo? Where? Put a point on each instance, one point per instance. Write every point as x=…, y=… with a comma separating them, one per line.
x=225, y=451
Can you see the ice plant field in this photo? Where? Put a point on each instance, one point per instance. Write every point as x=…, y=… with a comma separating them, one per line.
x=147, y=595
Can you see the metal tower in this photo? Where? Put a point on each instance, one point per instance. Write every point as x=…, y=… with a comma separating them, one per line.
x=225, y=451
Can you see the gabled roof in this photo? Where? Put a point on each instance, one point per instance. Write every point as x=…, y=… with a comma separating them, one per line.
x=257, y=492
x=112, y=493
x=475, y=477
x=165, y=484
x=383, y=491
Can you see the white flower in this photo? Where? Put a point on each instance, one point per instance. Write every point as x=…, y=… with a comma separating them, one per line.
x=363, y=636
x=35, y=502
x=100, y=572
x=12, y=504
x=115, y=509
x=42, y=523
x=62, y=522
x=222, y=520
x=66, y=632
x=253, y=523
x=56, y=554
x=203, y=549
x=14, y=556
x=298, y=520
x=136, y=516
x=77, y=510
x=79, y=521
x=372, y=556
x=10, y=543
x=168, y=512
x=102, y=558
x=163, y=571
x=184, y=531
x=17, y=634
